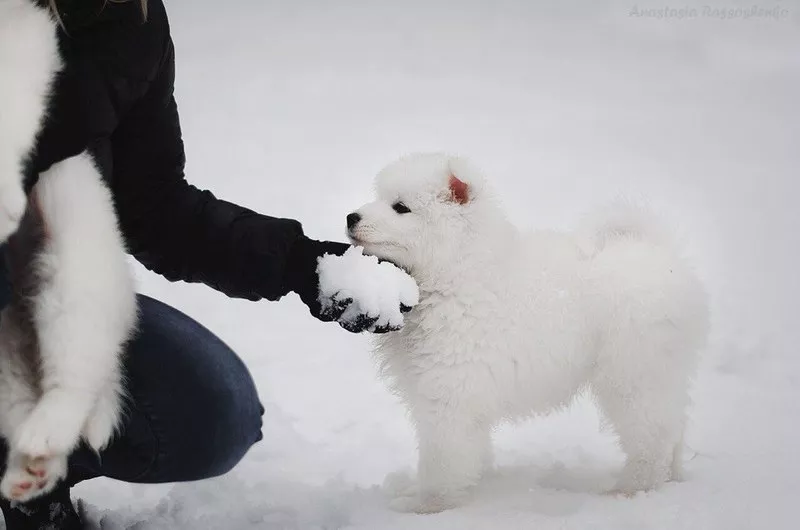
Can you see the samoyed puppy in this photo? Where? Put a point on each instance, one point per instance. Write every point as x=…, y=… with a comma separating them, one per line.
x=512, y=324
x=72, y=304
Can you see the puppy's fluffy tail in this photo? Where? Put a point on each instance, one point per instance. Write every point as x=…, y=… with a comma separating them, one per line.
x=619, y=221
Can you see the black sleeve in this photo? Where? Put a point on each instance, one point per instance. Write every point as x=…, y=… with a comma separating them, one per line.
x=185, y=233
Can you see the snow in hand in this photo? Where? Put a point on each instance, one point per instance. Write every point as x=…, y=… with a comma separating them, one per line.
x=370, y=289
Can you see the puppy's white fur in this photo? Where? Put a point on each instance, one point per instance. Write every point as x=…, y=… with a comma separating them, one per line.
x=84, y=311
x=28, y=61
x=60, y=375
x=515, y=324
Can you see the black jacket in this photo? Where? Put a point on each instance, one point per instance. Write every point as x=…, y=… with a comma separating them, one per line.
x=115, y=98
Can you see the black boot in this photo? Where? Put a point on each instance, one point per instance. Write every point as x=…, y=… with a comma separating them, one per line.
x=51, y=512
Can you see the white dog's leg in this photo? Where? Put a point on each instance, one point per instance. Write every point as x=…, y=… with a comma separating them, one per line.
x=647, y=407
x=654, y=321
x=104, y=418
x=84, y=311
x=18, y=393
x=24, y=478
x=647, y=444
x=454, y=449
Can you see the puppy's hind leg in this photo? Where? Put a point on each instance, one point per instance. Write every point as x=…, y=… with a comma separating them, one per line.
x=84, y=311
x=642, y=387
x=24, y=478
x=18, y=377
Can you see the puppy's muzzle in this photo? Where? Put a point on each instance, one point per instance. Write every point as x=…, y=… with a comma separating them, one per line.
x=352, y=220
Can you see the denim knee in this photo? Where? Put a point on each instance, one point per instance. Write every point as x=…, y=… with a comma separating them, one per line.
x=233, y=428
x=195, y=394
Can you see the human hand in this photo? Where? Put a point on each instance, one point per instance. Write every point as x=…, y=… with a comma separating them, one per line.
x=363, y=294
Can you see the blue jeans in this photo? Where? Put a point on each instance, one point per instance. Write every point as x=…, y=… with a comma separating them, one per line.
x=192, y=410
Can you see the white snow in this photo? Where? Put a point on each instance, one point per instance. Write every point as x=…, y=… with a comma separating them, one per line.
x=290, y=108
x=369, y=288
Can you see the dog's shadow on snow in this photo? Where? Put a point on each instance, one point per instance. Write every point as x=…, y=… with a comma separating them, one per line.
x=554, y=490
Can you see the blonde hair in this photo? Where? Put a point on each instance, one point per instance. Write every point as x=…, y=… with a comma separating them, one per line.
x=54, y=8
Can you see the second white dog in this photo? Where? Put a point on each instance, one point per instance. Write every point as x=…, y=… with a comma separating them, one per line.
x=510, y=325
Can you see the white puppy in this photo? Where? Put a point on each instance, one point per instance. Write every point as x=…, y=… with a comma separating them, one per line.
x=73, y=306
x=514, y=324
x=64, y=332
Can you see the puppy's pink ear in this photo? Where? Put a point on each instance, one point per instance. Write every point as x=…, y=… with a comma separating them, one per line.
x=459, y=190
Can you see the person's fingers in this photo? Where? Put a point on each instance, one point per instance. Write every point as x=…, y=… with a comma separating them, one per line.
x=334, y=309
x=379, y=330
x=358, y=324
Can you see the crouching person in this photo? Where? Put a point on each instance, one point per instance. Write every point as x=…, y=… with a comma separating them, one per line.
x=190, y=407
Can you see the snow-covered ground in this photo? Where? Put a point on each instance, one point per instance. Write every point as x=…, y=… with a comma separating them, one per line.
x=291, y=108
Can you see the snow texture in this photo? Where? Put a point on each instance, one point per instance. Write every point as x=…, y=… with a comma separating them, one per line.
x=379, y=291
x=291, y=108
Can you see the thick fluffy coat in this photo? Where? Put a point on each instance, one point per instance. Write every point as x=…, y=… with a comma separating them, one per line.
x=63, y=335
x=73, y=306
x=514, y=324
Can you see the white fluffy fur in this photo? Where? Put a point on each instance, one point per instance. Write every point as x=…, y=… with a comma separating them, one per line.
x=28, y=61
x=515, y=324
x=85, y=307
x=84, y=313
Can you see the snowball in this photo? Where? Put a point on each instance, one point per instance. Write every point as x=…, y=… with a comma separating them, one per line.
x=377, y=289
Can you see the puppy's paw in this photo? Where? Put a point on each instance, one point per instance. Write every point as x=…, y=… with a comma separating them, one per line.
x=640, y=477
x=406, y=496
x=12, y=206
x=48, y=431
x=400, y=484
x=28, y=478
x=405, y=504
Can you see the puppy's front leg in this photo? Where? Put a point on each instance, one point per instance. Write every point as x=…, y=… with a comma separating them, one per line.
x=453, y=449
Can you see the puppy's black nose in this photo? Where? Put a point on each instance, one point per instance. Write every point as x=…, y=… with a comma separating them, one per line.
x=352, y=220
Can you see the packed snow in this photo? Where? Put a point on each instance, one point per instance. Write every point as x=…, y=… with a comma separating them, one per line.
x=365, y=288
x=290, y=108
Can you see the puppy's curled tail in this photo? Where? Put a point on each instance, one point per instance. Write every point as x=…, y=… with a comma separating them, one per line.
x=622, y=220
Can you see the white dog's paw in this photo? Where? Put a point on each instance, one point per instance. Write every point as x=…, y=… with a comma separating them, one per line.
x=12, y=206
x=27, y=478
x=640, y=476
x=405, y=504
x=400, y=484
x=48, y=431
x=404, y=491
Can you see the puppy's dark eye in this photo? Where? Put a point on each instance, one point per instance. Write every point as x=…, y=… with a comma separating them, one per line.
x=400, y=208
